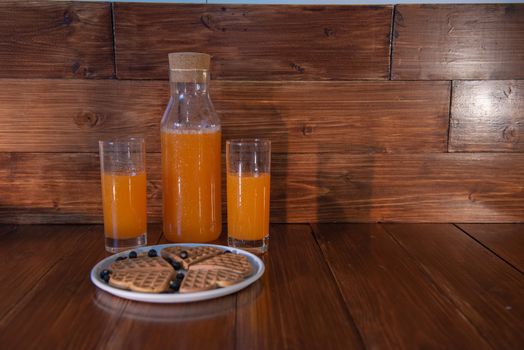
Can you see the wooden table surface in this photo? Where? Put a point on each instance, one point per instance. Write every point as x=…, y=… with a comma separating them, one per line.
x=330, y=286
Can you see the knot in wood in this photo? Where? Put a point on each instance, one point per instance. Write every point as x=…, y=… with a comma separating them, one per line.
x=329, y=32
x=399, y=19
x=347, y=178
x=510, y=134
x=88, y=72
x=208, y=21
x=69, y=17
x=297, y=67
x=307, y=130
x=89, y=119
x=75, y=67
x=152, y=190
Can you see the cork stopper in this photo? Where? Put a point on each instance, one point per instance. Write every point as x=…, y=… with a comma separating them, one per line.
x=189, y=60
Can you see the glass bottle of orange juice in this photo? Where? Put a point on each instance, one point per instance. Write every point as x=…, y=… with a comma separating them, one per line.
x=191, y=153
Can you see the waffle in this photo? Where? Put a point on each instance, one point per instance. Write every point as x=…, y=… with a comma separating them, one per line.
x=153, y=281
x=229, y=262
x=201, y=279
x=194, y=254
x=142, y=263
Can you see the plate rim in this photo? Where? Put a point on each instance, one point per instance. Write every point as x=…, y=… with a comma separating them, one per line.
x=177, y=297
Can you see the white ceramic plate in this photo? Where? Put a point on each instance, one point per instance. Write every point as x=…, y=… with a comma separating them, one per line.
x=258, y=268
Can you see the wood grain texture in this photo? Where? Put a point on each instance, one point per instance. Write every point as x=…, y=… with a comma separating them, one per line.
x=486, y=290
x=487, y=116
x=436, y=42
x=39, y=187
x=505, y=240
x=64, y=306
x=387, y=294
x=71, y=313
x=296, y=298
x=250, y=42
x=299, y=117
x=72, y=115
x=55, y=40
x=391, y=290
x=19, y=255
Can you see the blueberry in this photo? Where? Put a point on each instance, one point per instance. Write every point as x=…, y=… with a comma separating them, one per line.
x=228, y=251
x=133, y=255
x=121, y=258
x=183, y=254
x=175, y=285
x=152, y=253
x=169, y=260
x=176, y=265
x=180, y=276
x=105, y=275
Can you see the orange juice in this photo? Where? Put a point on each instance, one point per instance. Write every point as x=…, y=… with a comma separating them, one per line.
x=125, y=211
x=191, y=182
x=248, y=206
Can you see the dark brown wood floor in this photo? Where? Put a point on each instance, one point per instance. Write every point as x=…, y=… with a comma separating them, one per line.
x=331, y=286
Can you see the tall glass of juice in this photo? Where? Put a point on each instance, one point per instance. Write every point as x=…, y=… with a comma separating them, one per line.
x=191, y=153
x=124, y=194
x=248, y=185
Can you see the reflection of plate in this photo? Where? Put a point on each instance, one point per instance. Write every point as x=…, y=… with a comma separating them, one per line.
x=258, y=267
x=163, y=313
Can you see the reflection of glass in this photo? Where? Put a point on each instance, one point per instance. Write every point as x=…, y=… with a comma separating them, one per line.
x=191, y=154
x=123, y=172
x=256, y=301
x=248, y=184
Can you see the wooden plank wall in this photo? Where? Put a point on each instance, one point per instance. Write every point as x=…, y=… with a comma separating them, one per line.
x=377, y=113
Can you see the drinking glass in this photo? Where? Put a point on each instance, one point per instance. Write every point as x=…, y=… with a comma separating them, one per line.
x=248, y=183
x=124, y=194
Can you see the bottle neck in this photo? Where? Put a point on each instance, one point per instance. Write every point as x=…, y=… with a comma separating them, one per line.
x=189, y=82
x=185, y=88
